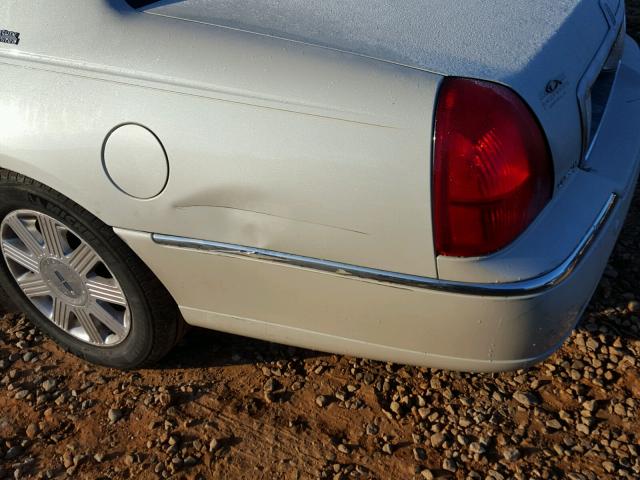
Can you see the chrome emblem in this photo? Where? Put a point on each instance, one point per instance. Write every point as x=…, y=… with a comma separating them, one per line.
x=554, y=91
x=12, y=38
x=552, y=86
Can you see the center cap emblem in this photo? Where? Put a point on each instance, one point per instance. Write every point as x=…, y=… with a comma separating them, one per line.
x=64, y=281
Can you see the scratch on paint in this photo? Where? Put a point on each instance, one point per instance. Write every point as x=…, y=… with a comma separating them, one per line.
x=226, y=207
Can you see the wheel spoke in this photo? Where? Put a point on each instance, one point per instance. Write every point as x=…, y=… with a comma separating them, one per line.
x=20, y=257
x=24, y=235
x=83, y=259
x=88, y=325
x=61, y=313
x=33, y=285
x=64, y=278
x=107, y=291
x=51, y=235
x=104, y=317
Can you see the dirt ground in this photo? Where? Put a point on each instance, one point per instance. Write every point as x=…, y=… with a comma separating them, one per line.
x=222, y=406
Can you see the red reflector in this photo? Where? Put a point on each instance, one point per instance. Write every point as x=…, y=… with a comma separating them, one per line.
x=492, y=169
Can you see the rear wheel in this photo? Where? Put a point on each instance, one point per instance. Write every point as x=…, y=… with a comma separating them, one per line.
x=78, y=282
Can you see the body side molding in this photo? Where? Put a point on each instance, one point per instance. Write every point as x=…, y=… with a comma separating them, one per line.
x=519, y=288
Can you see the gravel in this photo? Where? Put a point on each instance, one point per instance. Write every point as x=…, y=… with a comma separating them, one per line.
x=114, y=414
x=228, y=407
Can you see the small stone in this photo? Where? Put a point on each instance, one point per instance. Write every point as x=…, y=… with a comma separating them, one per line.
x=511, y=454
x=13, y=452
x=98, y=457
x=395, y=407
x=271, y=385
x=387, y=448
x=437, y=439
x=214, y=444
x=495, y=475
x=32, y=430
x=21, y=394
x=582, y=428
x=344, y=448
x=419, y=454
x=450, y=465
x=633, y=306
x=165, y=399
x=464, y=422
x=67, y=459
x=576, y=476
x=28, y=356
x=619, y=410
x=176, y=464
x=427, y=474
x=322, y=401
x=526, y=399
x=553, y=424
x=190, y=461
x=115, y=414
x=49, y=385
x=476, y=448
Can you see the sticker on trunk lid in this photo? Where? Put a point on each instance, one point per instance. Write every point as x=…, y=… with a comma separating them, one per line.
x=7, y=36
x=554, y=91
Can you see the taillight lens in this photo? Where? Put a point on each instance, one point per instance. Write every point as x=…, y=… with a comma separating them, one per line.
x=492, y=169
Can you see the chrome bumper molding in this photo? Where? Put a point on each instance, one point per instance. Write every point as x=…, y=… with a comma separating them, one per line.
x=519, y=288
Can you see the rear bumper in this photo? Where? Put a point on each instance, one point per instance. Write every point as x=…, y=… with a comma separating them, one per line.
x=453, y=324
x=332, y=312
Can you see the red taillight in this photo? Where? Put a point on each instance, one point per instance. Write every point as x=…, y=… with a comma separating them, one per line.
x=492, y=170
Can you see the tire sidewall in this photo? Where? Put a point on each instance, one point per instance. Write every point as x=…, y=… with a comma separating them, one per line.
x=136, y=347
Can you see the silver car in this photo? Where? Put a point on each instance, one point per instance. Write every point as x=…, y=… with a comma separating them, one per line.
x=427, y=182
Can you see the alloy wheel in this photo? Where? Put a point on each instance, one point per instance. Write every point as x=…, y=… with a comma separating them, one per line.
x=65, y=278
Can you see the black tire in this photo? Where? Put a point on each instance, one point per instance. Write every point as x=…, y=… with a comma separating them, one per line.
x=156, y=323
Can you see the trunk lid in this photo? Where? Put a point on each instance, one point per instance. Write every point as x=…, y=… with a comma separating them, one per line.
x=540, y=49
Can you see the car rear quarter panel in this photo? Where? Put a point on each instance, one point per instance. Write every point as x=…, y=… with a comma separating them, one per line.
x=271, y=144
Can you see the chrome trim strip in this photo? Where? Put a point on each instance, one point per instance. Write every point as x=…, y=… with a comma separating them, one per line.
x=519, y=288
x=586, y=83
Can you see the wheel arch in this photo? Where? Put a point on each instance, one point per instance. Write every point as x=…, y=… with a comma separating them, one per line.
x=67, y=190
x=53, y=180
